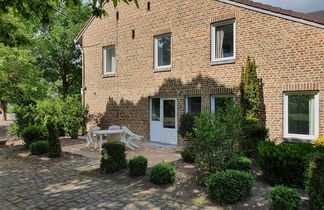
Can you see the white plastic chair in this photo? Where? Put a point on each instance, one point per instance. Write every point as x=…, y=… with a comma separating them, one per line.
x=129, y=137
x=90, y=135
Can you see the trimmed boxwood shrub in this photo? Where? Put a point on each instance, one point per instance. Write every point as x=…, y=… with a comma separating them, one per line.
x=39, y=148
x=137, y=166
x=188, y=155
x=239, y=163
x=284, y=198
x=113, y=157
x=33, y=134
x=163, y=173
x=285, y=163
x=229, y=186
x=54, y=145
x=315, y=181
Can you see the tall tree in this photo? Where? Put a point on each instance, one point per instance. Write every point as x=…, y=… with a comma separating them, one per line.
x=56, y=53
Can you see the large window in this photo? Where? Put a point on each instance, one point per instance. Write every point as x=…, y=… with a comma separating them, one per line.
x=223, y=42
x=301, y=115
x=219, y=102
x=109, y=60
x=162, y=53
x=193, y=104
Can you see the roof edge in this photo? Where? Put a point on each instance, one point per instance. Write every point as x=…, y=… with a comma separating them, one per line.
x=275, y=11
x=85, y=27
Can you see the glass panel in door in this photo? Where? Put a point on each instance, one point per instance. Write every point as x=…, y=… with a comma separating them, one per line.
x=169, y=113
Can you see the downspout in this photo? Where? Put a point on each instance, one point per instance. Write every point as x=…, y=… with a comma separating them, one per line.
x=83, y=88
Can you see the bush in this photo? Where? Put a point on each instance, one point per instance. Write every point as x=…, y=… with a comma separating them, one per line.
x=33, y=134
x=284, y=198
x=54, y=146
x=137, y=166
x=163, y=173
x=39, y=148
x=229, y=186
x=253, y=134
x=186, y=126
x=284, y=163
x=188, y=155
x=113, y=157
x=315, y=181
x=216, y=137
x=319, y=142
x=239, y=163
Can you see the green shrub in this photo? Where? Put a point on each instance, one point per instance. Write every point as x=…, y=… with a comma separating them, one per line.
x=229, y=186
x=284, y=198
x=54, y=146
x=284, y=163
x=239, y=163
x=33, y=134
x=188, y=155
x=187, y=122
x=216, y=137
x=253, y=134
x=315, y=181
x=137, y=166
x=113, y=157
x=163, y=173
x=39, y=148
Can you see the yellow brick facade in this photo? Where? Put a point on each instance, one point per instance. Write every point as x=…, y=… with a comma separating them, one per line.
x=289, y=55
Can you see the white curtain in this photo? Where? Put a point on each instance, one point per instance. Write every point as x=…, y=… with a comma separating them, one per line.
x=219, y=42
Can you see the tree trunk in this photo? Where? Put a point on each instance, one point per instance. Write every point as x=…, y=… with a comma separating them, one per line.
x=3, y=105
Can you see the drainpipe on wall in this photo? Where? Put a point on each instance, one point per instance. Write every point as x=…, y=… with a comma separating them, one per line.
x=83, y=88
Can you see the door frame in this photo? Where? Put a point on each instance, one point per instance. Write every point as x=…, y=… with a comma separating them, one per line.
x=161, y=112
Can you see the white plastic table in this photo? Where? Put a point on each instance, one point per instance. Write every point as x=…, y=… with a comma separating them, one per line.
x=100, y=133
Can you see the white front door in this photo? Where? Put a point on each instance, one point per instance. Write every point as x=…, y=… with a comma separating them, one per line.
x=164, y=120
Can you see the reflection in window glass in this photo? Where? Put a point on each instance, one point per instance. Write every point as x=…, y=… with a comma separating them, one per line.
x=155, y=109
x=224, y=41
x=194, y=104
x=169, y=114
x=164, y=50
x=109, y=59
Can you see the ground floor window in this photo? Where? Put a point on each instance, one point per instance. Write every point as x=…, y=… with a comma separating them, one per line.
x=218, y=102
x=193, y=104
x=301, y=115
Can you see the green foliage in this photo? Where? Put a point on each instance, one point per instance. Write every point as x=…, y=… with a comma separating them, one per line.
x=250, y=91
x=284, y=198
x=229, y=186
x=33, y=134
x=319, y=142
x=239, y=163
x=315, y=181
x=253, y=134
x=285, y=163
x=163, y=173
x=54, y=146
x=137, y=166
x=188, y=155
x=39, y=148
x=187, y=122
x=215, y=138
x=113, y=157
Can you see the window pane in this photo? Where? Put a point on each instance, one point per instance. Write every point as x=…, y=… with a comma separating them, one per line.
x=301, y=114
x=194, y=105
x=169, y=114
x=164, y=50
x=221, y=103
x=110, y=59
x=224, y=41
x=155, y=109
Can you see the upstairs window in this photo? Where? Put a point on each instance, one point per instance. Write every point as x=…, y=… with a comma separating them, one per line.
x=109, y=60
x=223, y=42
x=162, y=52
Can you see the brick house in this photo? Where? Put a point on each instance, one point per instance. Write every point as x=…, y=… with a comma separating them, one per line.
x=144, y=67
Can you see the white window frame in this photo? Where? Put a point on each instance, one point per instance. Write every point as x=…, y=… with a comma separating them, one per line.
x=316, y=116
x=193, y=96
x=156, y=55
x=215, y=60
x=113, y=72
x=212, y=99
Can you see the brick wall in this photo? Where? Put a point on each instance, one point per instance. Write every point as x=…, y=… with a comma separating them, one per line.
x=289, y=55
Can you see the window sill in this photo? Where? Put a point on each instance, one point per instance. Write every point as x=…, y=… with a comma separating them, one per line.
x=219, y=62
x=163, y=68
x=296, y=140
x=108, y=75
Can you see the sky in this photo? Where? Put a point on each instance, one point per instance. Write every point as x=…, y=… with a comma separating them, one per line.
x=296, y=5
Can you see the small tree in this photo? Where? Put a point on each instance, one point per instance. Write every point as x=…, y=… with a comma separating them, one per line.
x=54, y=145
x=250, y=91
